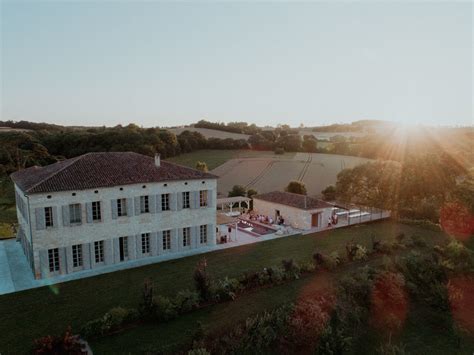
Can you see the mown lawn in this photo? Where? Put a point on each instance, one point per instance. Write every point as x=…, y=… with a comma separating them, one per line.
x=33, y=313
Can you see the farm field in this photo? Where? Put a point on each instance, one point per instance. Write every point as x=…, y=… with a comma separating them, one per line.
x=210, y=133
x=271, y=172
x=328, y=135
x=51, y=309
x=215, y=158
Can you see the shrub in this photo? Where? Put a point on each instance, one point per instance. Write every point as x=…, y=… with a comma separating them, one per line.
x=186, y=301
x=110, y=321
x=65, y=344
x=226, y=289
x=146, y=307
x=202, y=281
x=94, y=328
x=326, y=262
x=275, y=274
x=335, y=258
x=164, y=309
x=250, y=280
x=291, y=269
x=118, y=315
x=360, y=254
x=384, y=247
x=355, y=252
x=418, y=241
x=307, y=266
x=307, y=322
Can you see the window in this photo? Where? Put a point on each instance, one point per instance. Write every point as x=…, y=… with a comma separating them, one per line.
x=165, y=202
x=144, y=206
x=48, y=216
x=186, y=203
x=203, y=234
x=123, y=245
x=121, y=207
x=203, y=198
x=77, y=255
x=53, y=258
x=75, y=213
x=96, y=214
x=186, y=237
x=167, y=240
x=99, y=251
x=145, y=243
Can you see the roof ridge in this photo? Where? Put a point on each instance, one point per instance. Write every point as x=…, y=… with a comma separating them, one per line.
x=73, y=160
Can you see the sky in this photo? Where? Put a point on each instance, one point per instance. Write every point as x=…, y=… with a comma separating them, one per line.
x=173, y=63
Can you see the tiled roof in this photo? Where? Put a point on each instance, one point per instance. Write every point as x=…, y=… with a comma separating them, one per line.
x=94, y=170
x=293, y=200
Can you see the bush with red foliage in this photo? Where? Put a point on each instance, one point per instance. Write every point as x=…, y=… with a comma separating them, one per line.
x=59, y=345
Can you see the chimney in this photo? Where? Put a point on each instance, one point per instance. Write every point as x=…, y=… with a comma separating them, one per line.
x=157, y=160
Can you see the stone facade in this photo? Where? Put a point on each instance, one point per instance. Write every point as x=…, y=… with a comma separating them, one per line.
x=76, y=240
x=295, y=217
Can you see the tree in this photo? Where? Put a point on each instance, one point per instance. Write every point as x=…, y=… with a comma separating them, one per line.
x=251, y=192
x=329, y=193
x=237, y=190
x=296, y=187
x=202, y=166
x=310, y=144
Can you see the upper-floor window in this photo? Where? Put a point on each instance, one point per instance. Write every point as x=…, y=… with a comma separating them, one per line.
x=186, y=237
x=48, y=217
x=145, y=243
x=144, y=204
x=121, y=207
x=77, y=255
x=99, y=251
x=203, y=234
x=186, y=202
x=53, y=259
x=75, y=213
x=165, y=202
x=203, y=198
x=96, y=212
x=167, y=240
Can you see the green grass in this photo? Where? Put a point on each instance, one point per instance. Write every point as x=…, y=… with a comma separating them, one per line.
x=214, y=158
x=33, y=313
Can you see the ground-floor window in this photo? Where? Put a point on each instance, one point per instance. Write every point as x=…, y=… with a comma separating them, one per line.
x=99, y=251
x=167, y=240
x=203, y=234
x=77, y=255
x=186, y=237
x=145, y=243
x=53, y=258
x=123, y=245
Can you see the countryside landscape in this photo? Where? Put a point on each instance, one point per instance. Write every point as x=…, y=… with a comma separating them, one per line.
x=236, y=178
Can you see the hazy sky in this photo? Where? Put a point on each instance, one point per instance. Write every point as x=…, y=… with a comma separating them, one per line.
x=158, y=63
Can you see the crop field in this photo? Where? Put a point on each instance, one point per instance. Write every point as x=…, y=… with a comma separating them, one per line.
x=210, y=133
x=272, y=172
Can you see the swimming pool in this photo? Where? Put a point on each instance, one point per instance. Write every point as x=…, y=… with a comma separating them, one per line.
x=254, y=228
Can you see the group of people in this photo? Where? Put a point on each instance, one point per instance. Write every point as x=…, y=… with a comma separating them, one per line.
x=266, y=219
x=332, y=220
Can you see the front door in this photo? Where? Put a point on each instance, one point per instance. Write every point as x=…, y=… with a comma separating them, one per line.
x=315, y=220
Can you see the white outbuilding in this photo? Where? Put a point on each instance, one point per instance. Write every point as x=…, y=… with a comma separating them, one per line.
x=298, y=211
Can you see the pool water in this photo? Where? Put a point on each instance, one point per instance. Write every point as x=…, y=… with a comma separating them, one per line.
x=253, y=228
